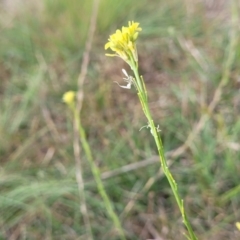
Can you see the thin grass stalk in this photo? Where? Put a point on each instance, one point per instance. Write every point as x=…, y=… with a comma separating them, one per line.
x=77, y=106
x=97, y=176
x=79, y=176
x=70, y=99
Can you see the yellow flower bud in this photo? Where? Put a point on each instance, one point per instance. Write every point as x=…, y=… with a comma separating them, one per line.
x=238, y=225
x=69, y=97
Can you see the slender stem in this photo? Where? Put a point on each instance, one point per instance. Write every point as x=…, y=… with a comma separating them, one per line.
x=97, y=177
x=79, y=177
x=142, y=93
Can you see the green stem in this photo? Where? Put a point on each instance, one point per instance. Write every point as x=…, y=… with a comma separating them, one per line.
x=142, y=94
x=79, y=178
x=97, y=177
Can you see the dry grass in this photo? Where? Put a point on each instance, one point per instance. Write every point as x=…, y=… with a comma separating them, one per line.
x=183, y=66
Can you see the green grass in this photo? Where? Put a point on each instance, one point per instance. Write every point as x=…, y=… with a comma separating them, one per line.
x=40, y=56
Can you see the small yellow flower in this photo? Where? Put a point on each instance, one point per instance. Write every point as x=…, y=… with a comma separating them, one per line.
x=123, y=42
x=238, y=225
x=69, y=97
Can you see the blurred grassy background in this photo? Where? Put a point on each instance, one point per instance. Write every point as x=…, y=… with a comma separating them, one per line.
x=182, y=51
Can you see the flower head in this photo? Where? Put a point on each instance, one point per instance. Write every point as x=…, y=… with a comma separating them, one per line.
x=123, y=42
x=69, y=97
x=238, y=225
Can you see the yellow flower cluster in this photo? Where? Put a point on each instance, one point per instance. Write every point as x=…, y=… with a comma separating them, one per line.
x=123, y=42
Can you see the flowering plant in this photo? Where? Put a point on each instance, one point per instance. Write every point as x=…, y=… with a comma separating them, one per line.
x=123, y=43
